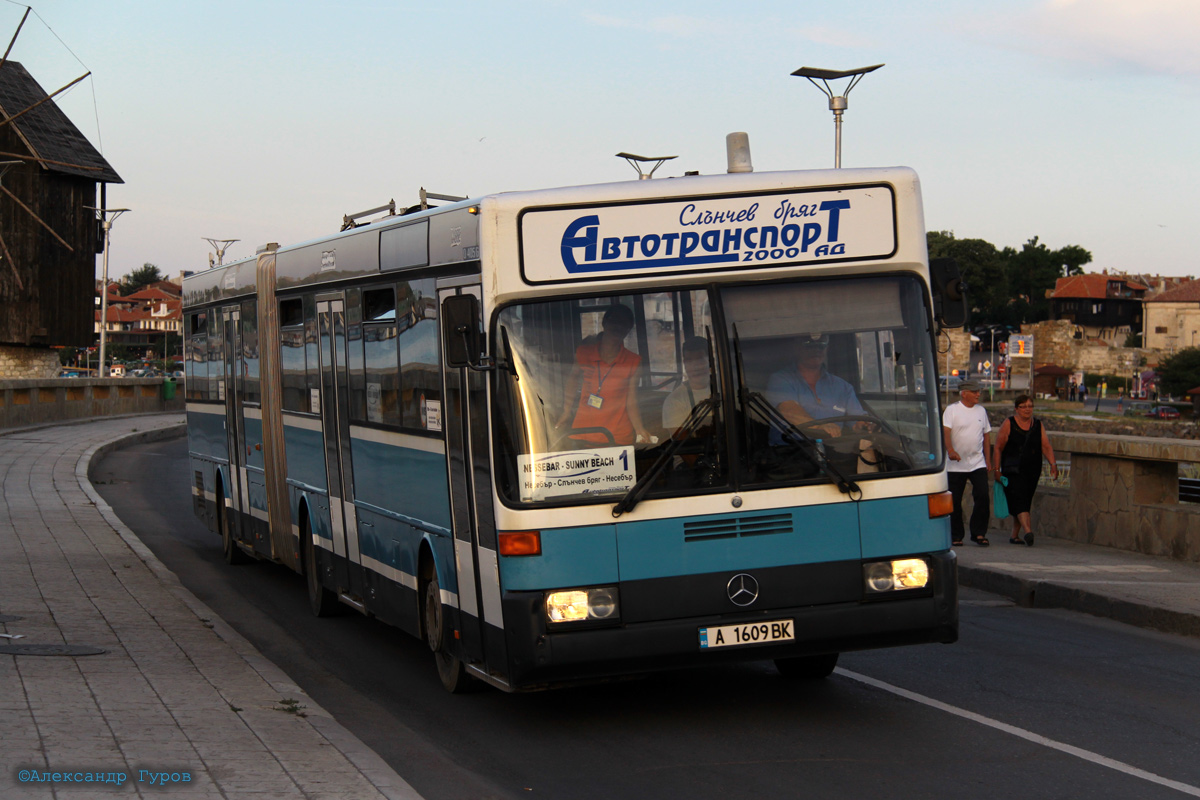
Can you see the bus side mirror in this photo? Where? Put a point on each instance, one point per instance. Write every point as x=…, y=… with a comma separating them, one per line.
x=949, y=293
x=462, y=341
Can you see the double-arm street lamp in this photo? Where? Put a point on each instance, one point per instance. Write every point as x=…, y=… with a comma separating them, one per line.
x=105, y=223
x=837, y=103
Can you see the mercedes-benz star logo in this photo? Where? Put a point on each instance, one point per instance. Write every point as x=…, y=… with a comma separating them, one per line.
x=743, y=589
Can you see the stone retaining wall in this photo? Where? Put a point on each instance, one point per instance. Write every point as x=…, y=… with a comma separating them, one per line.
x=36, y=402
x=28, y=362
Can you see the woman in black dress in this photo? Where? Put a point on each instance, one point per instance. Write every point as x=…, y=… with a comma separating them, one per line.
x=1020, y=446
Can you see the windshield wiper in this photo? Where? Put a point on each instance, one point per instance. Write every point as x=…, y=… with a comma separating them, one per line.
x=754, y=400
x=697, y=416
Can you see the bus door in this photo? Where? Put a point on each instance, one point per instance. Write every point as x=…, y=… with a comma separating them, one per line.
x=229, y=390
x=481, y=621
x=335, y=425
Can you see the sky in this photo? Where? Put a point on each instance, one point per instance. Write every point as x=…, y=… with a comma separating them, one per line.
x=1075, y=121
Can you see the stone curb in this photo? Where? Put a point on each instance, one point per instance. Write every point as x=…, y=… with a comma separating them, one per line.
x=367, y=761
x=1040, y=593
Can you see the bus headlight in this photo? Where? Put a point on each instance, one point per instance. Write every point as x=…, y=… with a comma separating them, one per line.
x=582, y=605
x=890, y=576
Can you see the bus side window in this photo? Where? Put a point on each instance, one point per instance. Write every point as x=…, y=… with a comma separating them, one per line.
x=420, y=367
x=380, y=357
x=196, y=375
x=252, y=390
x=312, y=358
x=216, y=359
x=291, y=361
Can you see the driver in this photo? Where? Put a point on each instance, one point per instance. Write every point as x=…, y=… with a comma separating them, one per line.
x=808, y=392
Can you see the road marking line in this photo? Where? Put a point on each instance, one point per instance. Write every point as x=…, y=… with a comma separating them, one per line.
x=1021, y=733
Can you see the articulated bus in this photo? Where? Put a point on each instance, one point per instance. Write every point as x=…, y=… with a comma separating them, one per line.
x=588, y=432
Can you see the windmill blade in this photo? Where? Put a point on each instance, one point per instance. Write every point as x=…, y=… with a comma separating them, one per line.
x=17, y=200
x=49, y=161
x=8, y=258
x=45, y=99
x=15, y=35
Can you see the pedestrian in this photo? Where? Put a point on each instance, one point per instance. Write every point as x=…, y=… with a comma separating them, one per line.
x=1020, y=446
x=966, y=429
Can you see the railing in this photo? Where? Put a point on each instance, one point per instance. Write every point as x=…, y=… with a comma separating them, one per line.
x=49, y=400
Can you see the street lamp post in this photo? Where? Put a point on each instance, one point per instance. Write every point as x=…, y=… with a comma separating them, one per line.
x=105, y=222
x=220, y=245
x=837, y=103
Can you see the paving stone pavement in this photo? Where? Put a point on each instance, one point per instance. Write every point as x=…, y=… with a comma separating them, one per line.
x=178, y=698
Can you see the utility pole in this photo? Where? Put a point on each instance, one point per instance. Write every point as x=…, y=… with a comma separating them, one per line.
x=106, y=224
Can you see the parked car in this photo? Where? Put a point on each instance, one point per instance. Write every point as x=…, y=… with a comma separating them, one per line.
x=1165, y=412
x=1139, y=409
x=950, y=382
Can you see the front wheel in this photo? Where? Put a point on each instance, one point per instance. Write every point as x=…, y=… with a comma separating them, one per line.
x=810, y=668
x=450, y=668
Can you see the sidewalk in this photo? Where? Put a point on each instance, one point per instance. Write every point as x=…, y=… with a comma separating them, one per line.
x=1147, y=591
x=177, y=699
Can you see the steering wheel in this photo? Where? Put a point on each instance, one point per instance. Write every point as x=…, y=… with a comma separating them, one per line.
x=883, y=426
x=577, y=444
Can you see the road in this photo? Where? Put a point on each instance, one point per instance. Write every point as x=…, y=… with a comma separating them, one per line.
x=1029, y=703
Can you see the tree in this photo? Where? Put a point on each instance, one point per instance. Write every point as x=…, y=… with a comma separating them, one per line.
x=981, y=268
x=1033, y=272
x=1180, y=372
x=139, y=279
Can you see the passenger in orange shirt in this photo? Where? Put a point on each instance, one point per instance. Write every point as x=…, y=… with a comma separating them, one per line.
x=601, y=390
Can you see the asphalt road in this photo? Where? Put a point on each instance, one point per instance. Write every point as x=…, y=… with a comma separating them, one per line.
x=1028, y=704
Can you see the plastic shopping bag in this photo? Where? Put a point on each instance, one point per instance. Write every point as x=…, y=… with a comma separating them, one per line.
x=999, y=501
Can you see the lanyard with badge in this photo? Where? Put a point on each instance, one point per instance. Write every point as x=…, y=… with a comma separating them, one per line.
x=594, y=399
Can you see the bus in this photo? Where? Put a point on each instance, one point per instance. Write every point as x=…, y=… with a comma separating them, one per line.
x=567, y=435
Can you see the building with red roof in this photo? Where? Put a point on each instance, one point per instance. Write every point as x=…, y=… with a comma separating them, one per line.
x=1104, y=307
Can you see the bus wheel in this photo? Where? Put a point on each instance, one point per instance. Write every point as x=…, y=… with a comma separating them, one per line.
x=233, y=554
x=323, y=602
x=810, y=668
x=450, y=669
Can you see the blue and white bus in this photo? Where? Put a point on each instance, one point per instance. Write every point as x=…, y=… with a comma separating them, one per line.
x=412, y=413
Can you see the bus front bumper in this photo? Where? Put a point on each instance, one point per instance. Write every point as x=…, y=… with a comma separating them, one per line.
x=541, y=657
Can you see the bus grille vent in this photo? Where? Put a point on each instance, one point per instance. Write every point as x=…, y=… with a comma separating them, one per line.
x=737, y=526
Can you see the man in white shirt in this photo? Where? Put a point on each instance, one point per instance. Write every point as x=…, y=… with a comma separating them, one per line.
x=969, y=453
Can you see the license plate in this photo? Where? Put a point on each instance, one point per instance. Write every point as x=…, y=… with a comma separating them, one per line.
x=778, y=630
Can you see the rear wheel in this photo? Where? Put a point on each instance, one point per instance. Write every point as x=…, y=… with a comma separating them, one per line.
x=233, y=553
x=323, y=602
x=810, y=668
x=450, y=669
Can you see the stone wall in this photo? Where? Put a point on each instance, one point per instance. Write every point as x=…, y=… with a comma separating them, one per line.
x=1122, y=492
x=28, y=362
x=37, y=402
x=1054, y=342
x=958, y=357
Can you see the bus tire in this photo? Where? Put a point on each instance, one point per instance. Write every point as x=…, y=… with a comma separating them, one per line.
x=809, y=668
x=322, y=601
x=234, y=554
x=450, y=668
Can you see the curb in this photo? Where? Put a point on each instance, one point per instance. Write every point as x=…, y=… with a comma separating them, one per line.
x=1037, y=593
x=367, y=761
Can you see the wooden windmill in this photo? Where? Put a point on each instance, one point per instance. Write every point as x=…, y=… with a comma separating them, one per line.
x=49, y=175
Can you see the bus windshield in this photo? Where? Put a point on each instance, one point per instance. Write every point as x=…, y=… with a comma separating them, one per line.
x=803, y=382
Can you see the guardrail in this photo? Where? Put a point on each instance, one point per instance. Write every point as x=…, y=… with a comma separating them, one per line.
x=49, y=400
x=1123, y=492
